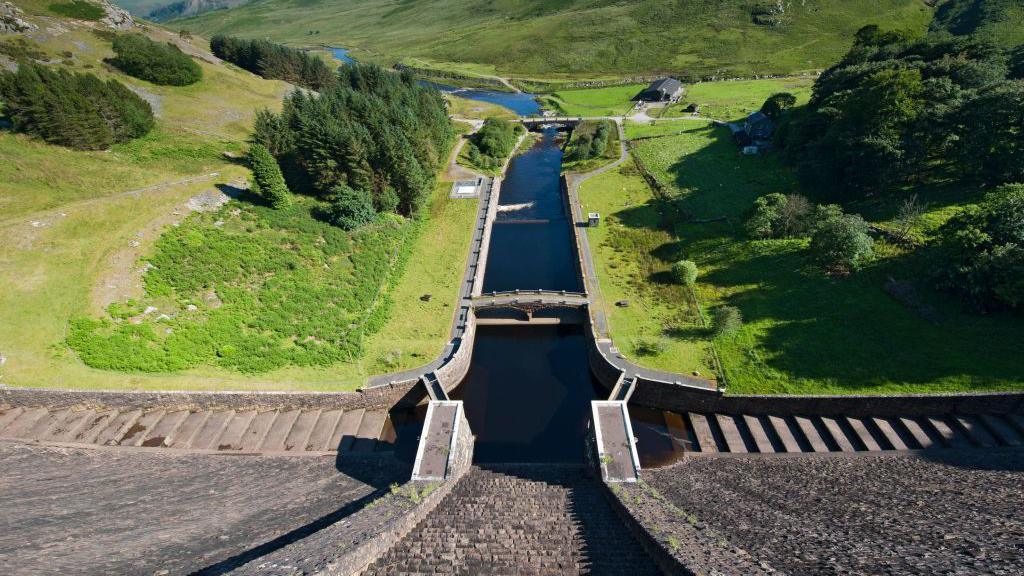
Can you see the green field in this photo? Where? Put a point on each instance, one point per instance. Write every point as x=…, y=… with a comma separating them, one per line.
x=660, y=328
x=610, y=101
x=731, y=100
x=74, y=226
x=805, y=332
x=578, y=38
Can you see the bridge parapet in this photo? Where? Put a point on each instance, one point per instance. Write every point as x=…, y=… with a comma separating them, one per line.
x=614, y=442
x=446, y=445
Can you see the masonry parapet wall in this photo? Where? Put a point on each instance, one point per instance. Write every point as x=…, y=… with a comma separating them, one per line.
x=377, y=397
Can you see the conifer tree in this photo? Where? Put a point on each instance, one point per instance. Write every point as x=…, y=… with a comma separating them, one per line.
x=267, y=180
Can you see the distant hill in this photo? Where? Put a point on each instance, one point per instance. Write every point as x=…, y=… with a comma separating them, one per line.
x=582, y=38
x=164, y=10
x=1000, y=20
x=187, y=8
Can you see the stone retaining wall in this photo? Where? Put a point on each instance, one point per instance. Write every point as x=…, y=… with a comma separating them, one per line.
x=455, y=369
x=378, y=397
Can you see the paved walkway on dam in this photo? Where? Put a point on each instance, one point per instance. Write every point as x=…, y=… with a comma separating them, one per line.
x=74, y=511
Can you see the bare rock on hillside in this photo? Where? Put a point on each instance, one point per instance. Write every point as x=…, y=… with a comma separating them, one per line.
x=116, y=17
x=11, y=21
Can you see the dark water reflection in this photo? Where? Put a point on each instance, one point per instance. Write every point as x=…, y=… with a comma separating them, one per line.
x=531, y=241
x=527, y=395
x=519, y=102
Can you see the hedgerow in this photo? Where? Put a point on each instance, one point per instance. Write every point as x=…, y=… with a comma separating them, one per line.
x=252, y=288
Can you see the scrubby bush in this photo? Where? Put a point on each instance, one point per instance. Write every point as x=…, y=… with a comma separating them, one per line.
x=684, y=272
x=985, y=250
x=779, y=216
x=727, y=321
x=350, y=208
x=166, y=64
x=267, y=181
x=841, y=243
x=75, y=110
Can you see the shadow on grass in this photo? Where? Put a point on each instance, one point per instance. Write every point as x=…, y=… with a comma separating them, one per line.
x=814, y=332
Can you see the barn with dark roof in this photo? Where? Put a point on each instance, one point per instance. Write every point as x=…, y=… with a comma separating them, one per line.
x=662, y=90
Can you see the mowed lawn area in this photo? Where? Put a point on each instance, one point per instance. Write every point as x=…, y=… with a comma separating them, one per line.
x=734, y=99
x=609, y=101
x=805, y=332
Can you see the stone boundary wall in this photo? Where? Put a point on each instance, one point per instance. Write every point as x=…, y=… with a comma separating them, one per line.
x=368, y=546
x=384, y=396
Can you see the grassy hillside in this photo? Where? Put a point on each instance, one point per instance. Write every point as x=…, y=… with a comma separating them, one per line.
x=999, y=20
x=803, y=331
x=575, y=38
x=75, y=226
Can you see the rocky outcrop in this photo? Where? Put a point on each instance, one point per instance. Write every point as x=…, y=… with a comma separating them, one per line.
x=11, y=21
x=116, y=17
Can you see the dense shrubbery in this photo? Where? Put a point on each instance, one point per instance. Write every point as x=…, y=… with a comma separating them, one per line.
x=75, y=110
x=727, y=321
x=841, y=244
x=589, y=140
x=158, y=63
x=267, y=181
x=779, y=216
x=685, y=272
x=266, y=288
x=374, y=131
x=986, y=250
x=274, y=61
x=900, y=111
x=350, y=208
x=490, y=145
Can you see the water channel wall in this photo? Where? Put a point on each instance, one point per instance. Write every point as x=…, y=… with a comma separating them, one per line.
x=378, y=397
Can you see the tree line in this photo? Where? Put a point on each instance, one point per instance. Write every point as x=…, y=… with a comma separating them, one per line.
x=274, y=61
x=901, y=113
x=370, y=143
x=70, y=109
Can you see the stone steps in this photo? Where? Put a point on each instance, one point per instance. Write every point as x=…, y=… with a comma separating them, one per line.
x=254, y=430
x=744, y=433
x=520, y=519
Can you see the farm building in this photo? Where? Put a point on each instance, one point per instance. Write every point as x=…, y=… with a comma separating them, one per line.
x=662, y=90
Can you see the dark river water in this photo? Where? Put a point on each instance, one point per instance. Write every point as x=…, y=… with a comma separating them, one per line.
x=527, y=395
x=531, y=244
